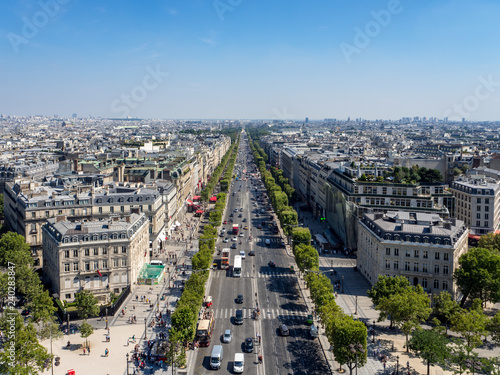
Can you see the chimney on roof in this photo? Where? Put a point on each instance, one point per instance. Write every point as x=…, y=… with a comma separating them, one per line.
x=135, y=210
x=60, y=218
x=447, y=225
x=127, y=218
x=116, y=218
x=379, y=215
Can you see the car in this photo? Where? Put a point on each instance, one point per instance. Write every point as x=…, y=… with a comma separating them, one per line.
x=227, y=336
x=241, y=235
x=259, y=226
x=235, y=210
x=221, y=234
x=239, y=298
x=257, y=215
x=284, y=331
x=231, y=215
x=225, y=240
x=268, y=242
x=225, y=222
x=242, y=253
x=240, y=215
x=238, y=317
x=245, y=227
x=272, y=264
x=249, y=344
x=241, y=209
x=309, y=320
x=251, y=253
x=234, y=239
x=244, y=220
x=224, y=230
x=233, y=246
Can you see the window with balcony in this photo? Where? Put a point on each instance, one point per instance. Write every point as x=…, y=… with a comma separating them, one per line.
x=396, y=252
x=446, y=256
x=415, y=267
x=115, y=263
x=66, y=253
x=424, y=283
x=86, y=266
x=124, y=262
x=436, y=284
x=445, y=270
x=387, y=251
x=104, y=264
x=408, y=253
x=75, y=266
x=416, y=253
x=387, y=264
x=436, y=268
x=396, y=265
x=96, y=251
x=407, y=266
x=424, y=267
x=436, y=255
x=124, y=249
x=445, y=285
x=66, y=267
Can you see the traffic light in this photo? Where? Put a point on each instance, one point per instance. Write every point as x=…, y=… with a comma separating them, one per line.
x=323, y=218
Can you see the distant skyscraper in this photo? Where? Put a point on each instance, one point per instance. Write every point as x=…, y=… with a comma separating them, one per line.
x=74, y=115
x=307, y=120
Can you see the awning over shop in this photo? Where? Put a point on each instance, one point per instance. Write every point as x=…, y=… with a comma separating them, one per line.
x=196, y=198
x=189, y=201
x=474, y=236
x=199, y=211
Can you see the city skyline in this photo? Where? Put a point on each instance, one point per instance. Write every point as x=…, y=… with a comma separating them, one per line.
x=250, y=60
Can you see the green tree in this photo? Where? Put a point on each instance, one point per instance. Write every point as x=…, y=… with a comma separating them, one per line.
x=471, y=325
x=182, y=320
x=430, y=346
x=362, y=178
x=301, y=236
x=86, y=330
x=407, y=309
x=478, y=275
x=41, y=305
x=490, y=241
x=307, y=257
x=387, y=286
x=493, y=327
x=50, y=331
x=27, y=356
x=445, y=307
x=86, y=304
x=344, y=332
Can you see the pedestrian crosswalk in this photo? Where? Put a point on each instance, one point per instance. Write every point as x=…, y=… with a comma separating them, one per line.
x=285, y=315
x=221, y=273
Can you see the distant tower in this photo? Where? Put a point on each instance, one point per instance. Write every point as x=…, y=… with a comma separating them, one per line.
x=307, y=120
x=74, y=115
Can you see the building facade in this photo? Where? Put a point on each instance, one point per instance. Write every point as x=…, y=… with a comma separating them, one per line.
x=424, y=248
x=102, y=256
x=478, y=203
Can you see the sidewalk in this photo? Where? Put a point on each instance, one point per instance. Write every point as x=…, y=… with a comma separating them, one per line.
x=121, y=331
x=355, y=300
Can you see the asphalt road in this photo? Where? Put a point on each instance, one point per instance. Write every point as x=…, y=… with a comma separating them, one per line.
x=273, y=289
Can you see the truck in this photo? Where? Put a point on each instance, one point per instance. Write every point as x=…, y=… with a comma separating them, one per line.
x=235, y=229
x=226, y=253
x=205, y=328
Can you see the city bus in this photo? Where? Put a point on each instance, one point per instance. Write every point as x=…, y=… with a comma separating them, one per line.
x=237, y=266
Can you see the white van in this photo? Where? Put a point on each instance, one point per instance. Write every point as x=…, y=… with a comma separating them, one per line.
x=156, y=263
x=314, y=331
x=216, y=357
x=239, y=363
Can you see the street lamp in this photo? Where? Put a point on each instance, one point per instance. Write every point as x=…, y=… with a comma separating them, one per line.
x=373, y=340
x=356, y=349
x=342, y=283
x=397, y=365
x=356, y=312
x=106, y=309
x=127, y=363
x=145, y=332
x=158, y=301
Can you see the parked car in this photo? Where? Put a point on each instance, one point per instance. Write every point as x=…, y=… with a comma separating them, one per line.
x=251, y=253
x=239, y=298
x=272, y=264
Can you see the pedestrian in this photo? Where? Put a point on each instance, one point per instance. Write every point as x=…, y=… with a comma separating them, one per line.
x=106, y=352
x=84, y=350
x=89, y=349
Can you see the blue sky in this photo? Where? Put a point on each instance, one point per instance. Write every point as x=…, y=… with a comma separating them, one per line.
x=251, y=59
